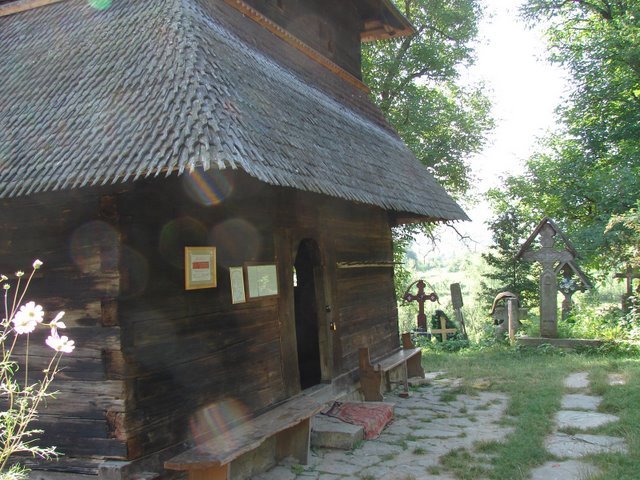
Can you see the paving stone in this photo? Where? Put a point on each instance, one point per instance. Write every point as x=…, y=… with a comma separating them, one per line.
x=576, y=446
x=403, y=471
x=418, y=382
x=364, y=460
x=377, y=472
x=433, y=428
x=583, y=420
x=338, y=468
x=577, y=380
x=277, y=473
x=453, y=421
x=578, y=401
x=434, y=375
x=568, y=470
x=616, y=379
x=309, y=475
x=398, y=428
x=441, y=431
x=379, y=448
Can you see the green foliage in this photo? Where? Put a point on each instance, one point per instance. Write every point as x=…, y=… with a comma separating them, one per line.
x=628, y=228
x=589, y=170
x=415, y=82
x=510, y=227
x=403, y=236
x=593, y=318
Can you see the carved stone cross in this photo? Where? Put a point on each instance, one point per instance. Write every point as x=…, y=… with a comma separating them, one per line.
x=548, y=256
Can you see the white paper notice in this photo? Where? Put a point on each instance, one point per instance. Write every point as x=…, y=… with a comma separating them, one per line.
x=200, y=268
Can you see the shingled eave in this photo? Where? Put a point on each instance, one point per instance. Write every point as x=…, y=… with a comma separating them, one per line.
x=186, y=93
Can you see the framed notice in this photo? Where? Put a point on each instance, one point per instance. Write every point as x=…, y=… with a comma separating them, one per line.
x=262, y=280
x=199, y=267
x=236, y=275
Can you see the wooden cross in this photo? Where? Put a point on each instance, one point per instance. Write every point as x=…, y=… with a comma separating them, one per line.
x=548, y=256
x=630, y=275
x=421, y=298
x=443, y=330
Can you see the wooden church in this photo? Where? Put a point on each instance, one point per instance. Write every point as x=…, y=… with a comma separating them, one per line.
x=212, y=192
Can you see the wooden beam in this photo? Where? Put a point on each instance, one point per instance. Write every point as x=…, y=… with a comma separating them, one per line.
x=23, y=5
x=381, y=264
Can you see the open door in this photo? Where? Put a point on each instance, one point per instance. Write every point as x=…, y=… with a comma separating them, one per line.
x=307, y=285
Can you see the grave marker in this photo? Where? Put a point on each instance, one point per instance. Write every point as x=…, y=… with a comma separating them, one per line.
x=630, y=275
x=548, y=256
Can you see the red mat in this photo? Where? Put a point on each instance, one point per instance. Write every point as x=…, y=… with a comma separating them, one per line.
x=373, y=416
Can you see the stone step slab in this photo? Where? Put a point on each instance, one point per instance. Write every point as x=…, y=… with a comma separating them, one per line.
x=567, y=470
x=576, y=446
x=330, y=432
x=578, y=401
x=577, y=380
x=583, y=420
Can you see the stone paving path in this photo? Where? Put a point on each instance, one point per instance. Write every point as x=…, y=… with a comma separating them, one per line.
x=579, y=415
x=438, y=420
x=429, y=424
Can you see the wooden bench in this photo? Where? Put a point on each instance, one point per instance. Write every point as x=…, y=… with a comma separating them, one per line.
x=289, y=422
x=372, y=379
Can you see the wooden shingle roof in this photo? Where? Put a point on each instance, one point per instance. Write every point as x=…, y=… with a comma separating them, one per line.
x=156, y=87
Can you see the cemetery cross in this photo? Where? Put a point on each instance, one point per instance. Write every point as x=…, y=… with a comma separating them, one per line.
x=548, y=256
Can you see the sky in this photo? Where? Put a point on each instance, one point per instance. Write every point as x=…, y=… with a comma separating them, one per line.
x=524, y=89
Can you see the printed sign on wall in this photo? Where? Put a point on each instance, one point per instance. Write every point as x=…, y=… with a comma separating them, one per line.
x=199, y=267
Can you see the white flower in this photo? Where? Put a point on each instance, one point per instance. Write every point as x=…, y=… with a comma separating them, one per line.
x=19, y=273
x=60, y=344
x=37, y=264
x=27, y=318
x=56, y=323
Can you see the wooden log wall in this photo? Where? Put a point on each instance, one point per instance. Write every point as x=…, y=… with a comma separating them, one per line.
x=331, y=27
x=75, y=235
x=156, y=364
x=196, y=361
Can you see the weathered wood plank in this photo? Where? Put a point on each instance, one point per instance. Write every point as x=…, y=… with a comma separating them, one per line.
x=221, y=450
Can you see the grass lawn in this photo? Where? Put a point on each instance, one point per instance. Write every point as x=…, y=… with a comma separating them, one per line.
x=533, y=380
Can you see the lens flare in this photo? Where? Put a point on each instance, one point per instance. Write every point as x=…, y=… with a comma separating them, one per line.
x=176, y=234
x=236, y=241
x=208, y=188
x=213, y=423
x=136, y=267
x=95, y=247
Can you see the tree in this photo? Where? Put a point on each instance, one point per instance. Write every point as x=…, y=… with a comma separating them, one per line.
x=510, y=227
x=589, y=171
x=415, y=81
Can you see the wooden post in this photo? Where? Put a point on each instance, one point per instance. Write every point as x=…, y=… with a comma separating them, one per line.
x=512, y=315
x=456, y=301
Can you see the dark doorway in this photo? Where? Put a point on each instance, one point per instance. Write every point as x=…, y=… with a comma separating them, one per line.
x=307, y=279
